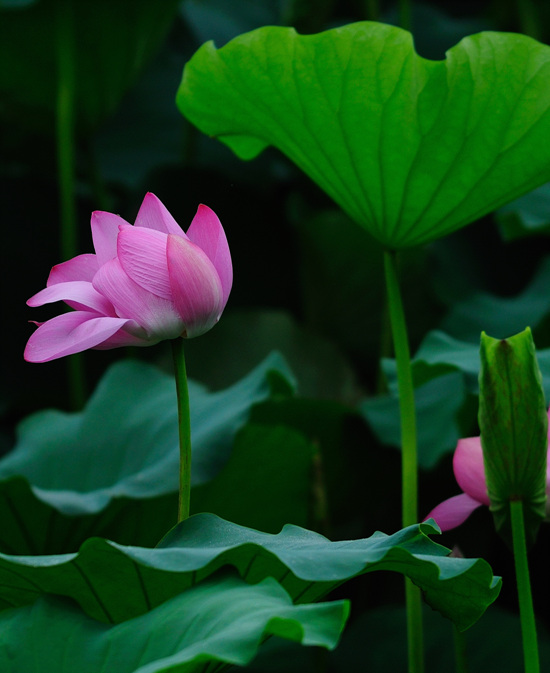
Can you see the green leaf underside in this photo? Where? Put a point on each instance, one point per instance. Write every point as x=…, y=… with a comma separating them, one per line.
x=68, y=458
x=222, y=620
x=113, y=583
x=514, y=429
x=411, y=149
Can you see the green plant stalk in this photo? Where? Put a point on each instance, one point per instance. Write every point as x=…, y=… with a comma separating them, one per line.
x=184, y=425
x=66, y=79
x=461, y=657
x=526, y=612
x=409, y=476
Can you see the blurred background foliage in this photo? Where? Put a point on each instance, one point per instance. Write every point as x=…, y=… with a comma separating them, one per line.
x=308, y=282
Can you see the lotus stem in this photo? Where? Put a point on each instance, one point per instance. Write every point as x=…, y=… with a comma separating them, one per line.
x=184, y=426
x=409, y=477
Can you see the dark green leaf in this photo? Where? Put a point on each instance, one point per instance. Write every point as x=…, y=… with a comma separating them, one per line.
x=115, y=583
x=502, y=316
x=438, y=402
x=526, y=216
x=440, y=353
x=111, y=470
x=222, y=620
x=411, y=149
x=69, y=458
x=265, y=483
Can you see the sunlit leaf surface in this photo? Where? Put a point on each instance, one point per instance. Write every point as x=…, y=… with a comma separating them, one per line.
x=411, y=149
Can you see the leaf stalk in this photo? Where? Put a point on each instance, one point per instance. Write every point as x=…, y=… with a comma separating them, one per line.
x=409, y=477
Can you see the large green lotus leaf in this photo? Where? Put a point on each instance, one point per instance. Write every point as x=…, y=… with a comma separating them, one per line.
x=32, y=526
x=443, y=353
x=411, y=149
x=268, y=464
x=114, y=583
x=125, y=442
x=222, y=621
x=110, y=43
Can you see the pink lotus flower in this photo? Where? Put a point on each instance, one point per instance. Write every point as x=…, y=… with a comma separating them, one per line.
x=470, y=475
x=145, y=283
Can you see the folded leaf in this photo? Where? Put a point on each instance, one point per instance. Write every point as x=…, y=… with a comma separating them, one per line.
x=114, y=583
x=223, y=620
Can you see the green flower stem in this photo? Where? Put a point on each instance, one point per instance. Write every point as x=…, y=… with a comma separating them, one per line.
x=526, y=612
x=409, y=468
x=184, y=424
x=66, y=79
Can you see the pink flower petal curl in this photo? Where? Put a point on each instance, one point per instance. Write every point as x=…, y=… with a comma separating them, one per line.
x=454, y=511
x=78, y=294
x=82, y=267
x=70, y=333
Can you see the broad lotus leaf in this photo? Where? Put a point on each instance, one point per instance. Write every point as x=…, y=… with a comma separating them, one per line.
x=114, y=583
x=222, y=621
x=124, y=444
x=411, y=149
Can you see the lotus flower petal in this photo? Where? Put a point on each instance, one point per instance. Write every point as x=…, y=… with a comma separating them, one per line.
x=70, y=333
x=105, y=227
x=196, y=287
x=469, y=469
x=142, y=255
x=82, y=267
x=154, y=314
x=79, y=294
x=153, y=214
x=454, y=511
x=207, y=232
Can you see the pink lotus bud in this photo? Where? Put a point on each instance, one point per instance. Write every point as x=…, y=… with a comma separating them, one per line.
x=145, y=283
